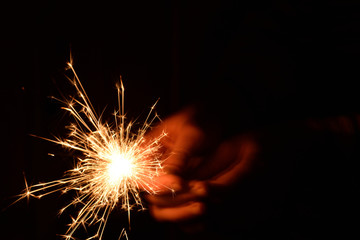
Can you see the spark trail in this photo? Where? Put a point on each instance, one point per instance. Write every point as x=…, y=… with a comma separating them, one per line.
x=116, y=163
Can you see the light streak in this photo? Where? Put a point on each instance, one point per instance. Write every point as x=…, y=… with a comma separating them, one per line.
x=116, y=164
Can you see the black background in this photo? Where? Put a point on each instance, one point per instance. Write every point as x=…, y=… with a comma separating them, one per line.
x=254, y=63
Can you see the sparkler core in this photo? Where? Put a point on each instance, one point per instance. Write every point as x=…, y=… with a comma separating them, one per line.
x=120, y=167
x=116, y=163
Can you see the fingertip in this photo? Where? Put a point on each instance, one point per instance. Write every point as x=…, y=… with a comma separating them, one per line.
x=179, y=213
x=197, y=209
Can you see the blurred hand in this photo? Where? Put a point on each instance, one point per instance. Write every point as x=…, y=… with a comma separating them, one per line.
x=196, y=168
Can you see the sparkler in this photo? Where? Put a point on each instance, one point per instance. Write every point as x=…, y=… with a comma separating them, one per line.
x=116, y=163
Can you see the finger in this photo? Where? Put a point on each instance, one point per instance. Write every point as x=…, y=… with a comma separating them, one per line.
x=223, y=157
x=188, y=140
x=195, y=191
x=244, y=160
x=178, y=213
x=167, y=184
x=179, y=139
x=162, y=185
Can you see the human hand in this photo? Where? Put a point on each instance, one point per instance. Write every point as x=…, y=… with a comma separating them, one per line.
x=196, y=168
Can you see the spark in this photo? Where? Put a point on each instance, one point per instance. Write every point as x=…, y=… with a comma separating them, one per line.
x=116, y=163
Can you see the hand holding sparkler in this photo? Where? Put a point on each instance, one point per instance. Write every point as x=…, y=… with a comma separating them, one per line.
x=196, y=168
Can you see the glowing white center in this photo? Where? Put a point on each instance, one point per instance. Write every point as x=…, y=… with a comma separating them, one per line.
x=119, y=167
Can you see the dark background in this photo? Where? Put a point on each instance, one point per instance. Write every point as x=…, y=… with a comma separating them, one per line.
x=250, y=64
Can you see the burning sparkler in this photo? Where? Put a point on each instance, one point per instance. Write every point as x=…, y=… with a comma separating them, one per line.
x=116, y=164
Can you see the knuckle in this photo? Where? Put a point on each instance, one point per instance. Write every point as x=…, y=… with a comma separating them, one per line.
x=200, y=188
